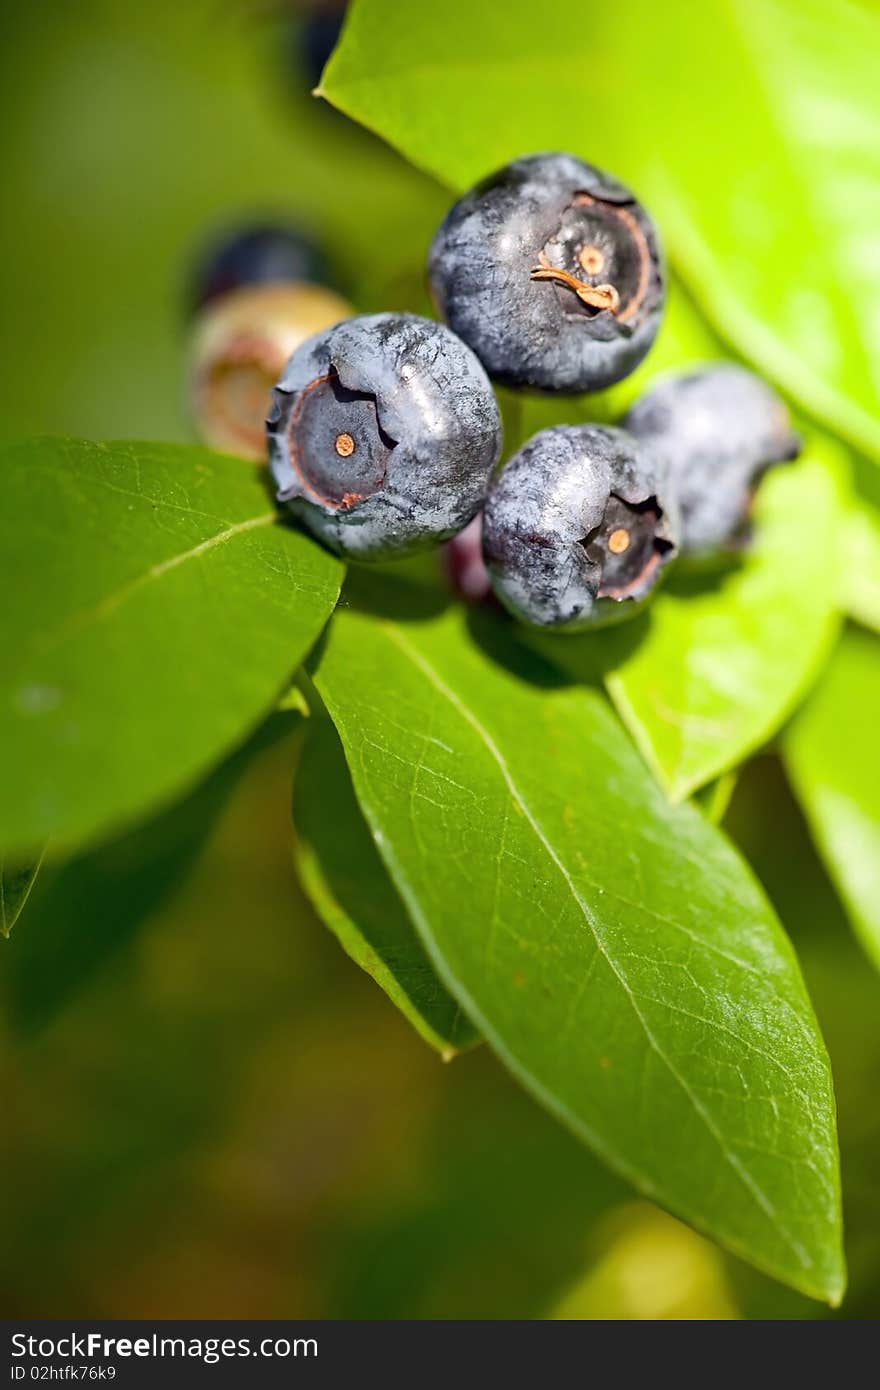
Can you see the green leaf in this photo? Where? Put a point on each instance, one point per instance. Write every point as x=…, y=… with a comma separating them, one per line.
x=833, y=757
x=15, y=888
x=721, y=659
x=159, y=612
x=84, y=913
x=615, y=951
x=349, y=888
x=860, y=570
x=715, y=797
x=748, y=126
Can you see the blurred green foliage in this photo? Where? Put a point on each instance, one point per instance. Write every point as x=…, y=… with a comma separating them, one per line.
x=208, y=1109
x=130, y=134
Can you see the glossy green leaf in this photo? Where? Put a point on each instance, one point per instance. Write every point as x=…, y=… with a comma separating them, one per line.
x=348, y=886
x=750, y=127
x=833, y=757
x=156, y=611
x=719, y=661
x=15, y=888
x=860, y=570
x=614, y=950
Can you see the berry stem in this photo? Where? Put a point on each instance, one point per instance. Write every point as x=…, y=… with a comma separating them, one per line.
x=596, y=296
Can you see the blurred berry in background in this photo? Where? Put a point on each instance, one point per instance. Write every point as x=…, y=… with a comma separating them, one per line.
x=256, y=255
x=257, y=298
x=317, y=36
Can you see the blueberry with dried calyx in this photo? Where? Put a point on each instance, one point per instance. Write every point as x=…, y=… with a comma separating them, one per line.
x=719, y=428
x=383, y=435
x=551, y=271
x=579, y=527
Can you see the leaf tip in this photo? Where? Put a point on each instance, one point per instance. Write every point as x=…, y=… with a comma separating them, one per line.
x=836, y=1288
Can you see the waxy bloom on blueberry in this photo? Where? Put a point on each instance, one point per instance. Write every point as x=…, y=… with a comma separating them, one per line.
x=550, y=270
x=383, y=435
x=719, y=428
x=578, y=527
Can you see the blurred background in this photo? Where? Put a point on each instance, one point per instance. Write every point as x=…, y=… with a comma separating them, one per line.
x=209, y=1110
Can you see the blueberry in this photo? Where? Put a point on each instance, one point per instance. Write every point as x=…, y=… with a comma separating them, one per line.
x=383, y=435
x=256, y=255
x=237, y=351
x=578, y=527
x=719, y=429
x=550, y=270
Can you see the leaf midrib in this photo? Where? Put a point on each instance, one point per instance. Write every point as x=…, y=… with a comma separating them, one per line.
x=110, y=603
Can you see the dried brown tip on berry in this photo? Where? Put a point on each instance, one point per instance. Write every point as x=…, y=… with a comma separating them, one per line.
x=591, y=260
x=594, y=296
x=618, y=541
x=344, y=446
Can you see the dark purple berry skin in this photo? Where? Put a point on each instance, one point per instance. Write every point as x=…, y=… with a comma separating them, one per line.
x=383, y=435
x=254, y=256
x=551, y=271
x=578, y=528
x=719, y=428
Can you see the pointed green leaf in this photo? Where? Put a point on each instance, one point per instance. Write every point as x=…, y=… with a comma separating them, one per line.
x=159, y=610
x=748, y=126
x=614, y=950
x=833, y=757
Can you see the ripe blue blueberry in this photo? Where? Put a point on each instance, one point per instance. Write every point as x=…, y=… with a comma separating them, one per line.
x=255, y=255
x=383, y=435
x=550, y=270
x=719, y=429
x=578, y=527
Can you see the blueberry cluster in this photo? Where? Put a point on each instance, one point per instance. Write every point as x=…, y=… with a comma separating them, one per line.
x=384, y=432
